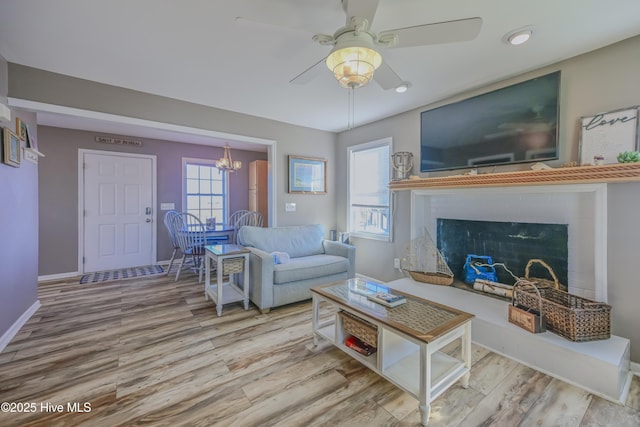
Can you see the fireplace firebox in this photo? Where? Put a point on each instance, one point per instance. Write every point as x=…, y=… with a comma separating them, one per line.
x=510, y=243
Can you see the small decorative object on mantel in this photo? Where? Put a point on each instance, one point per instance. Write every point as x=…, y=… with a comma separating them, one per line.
x=402, y=163
x=607, y=134
x=539, y=166
x=629, y=157
x=569, y=165
x=424, y=262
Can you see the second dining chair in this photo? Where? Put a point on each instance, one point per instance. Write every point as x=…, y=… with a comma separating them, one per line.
x=190, y=235
x=172, y=238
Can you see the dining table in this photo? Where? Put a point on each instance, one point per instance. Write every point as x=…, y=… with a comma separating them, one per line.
x=219, y=234
x=213, y=235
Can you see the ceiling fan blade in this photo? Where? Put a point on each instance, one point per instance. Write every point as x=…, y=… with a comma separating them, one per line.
x=360, y=8
x=386, y=77
x=309, y=74
x=440, y=32
x=271, y=26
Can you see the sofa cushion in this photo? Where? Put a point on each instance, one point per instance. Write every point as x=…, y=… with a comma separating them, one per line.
x=297, y=241
x=309, y=267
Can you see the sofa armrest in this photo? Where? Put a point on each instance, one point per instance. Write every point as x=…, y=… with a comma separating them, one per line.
x=261, y=278
x=332, y=247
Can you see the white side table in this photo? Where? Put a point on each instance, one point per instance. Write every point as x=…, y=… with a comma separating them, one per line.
x=230, y=260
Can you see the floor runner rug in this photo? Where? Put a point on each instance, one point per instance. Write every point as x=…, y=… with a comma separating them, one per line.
x=121, y=273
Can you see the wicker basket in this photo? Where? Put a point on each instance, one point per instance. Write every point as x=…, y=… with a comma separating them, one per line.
x=573, y=317
x=232, y=265
x=359, y=328
x=433, y=278
x=539, y=282
x=533, y=321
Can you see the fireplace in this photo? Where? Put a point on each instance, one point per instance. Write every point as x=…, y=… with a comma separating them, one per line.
x=571, y=218
x=510, y=243
x=583, y=209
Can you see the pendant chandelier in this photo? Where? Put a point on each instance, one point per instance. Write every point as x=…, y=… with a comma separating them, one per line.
x=226, y=163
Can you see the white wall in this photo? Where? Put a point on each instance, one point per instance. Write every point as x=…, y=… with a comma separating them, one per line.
x=599, y=81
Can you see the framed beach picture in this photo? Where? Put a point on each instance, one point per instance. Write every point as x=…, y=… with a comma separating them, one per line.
x=10, y=148
x=307, y=175
x=21, y=129
x=605, y=135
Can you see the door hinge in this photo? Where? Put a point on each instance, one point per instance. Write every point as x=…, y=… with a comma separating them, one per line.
x=84, y=260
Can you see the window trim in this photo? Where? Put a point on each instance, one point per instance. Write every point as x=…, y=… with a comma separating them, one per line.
x=388, y=141
x=206, y=162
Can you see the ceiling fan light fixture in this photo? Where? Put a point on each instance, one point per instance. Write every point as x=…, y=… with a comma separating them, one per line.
x=353, y=59
x=353, y=66
x=226, y=163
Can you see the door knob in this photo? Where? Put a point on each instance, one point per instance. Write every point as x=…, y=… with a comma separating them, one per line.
x=148, y=220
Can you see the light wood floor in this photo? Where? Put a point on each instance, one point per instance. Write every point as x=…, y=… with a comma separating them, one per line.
x=152, y=352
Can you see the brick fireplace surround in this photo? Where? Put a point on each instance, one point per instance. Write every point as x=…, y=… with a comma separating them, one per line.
x=578, y=199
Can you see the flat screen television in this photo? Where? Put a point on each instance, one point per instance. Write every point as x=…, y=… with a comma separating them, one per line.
x=514, y=124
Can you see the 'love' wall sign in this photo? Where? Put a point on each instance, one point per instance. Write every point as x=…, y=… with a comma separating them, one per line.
x=608, y=134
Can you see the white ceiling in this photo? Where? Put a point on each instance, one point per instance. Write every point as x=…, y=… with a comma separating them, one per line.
x=198, y=51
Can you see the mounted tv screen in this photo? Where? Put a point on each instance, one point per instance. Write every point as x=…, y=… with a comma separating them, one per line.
x=515, y=124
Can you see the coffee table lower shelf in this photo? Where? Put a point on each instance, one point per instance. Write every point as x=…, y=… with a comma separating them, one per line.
x=413, y=365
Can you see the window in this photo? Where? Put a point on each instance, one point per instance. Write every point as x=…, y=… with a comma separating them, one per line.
x=205, y=190
x=369, y=202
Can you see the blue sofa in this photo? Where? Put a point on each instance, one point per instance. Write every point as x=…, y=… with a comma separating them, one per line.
x=285, y=262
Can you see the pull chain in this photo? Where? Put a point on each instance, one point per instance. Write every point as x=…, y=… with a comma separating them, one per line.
x=351, y=112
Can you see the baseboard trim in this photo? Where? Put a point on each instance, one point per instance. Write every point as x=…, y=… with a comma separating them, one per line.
x=17, y=325
x=635, y=368
x=57, y=276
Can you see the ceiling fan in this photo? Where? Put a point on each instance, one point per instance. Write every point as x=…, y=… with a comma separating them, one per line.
x=355, y=60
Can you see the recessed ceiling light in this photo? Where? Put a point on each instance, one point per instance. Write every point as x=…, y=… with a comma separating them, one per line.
x=403, y=87
x=518, y=37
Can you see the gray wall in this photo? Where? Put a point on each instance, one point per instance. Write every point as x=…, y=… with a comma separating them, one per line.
x=42, y=86
x=19, y=187
x=18, y=234
x=58, y=183
x=602, y=80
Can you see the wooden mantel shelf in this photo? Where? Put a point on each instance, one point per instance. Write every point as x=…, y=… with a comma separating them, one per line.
x=622, y=172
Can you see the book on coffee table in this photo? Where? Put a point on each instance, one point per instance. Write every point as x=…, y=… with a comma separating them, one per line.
x=360, y=346
x=387, y=299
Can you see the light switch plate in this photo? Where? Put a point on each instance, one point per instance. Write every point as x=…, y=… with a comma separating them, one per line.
x=167, y=206
x=289, y=207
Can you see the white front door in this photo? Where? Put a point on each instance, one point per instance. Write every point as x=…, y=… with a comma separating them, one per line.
x=118, y=226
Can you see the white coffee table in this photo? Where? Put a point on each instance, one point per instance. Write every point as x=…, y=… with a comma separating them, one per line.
x=230, y=260
x=410, y=338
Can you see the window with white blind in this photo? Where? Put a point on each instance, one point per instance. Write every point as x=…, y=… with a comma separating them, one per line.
x=204, y=190
x=369, y=202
